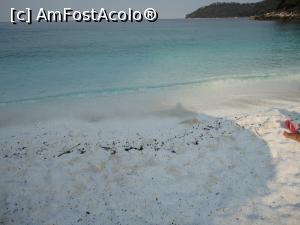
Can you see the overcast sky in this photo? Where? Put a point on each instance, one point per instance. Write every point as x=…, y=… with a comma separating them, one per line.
x=165, y=8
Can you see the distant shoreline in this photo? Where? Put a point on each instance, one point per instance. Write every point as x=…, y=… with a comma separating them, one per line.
x=282, y=16
x=285, y=10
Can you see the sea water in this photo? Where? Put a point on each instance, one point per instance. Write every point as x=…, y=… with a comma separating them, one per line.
x=63, y=60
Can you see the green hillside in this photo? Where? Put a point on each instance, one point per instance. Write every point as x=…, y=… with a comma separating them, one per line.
x=289, y=5
x=233, y=9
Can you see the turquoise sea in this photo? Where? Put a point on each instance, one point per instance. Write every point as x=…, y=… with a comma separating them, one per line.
x=48, y=61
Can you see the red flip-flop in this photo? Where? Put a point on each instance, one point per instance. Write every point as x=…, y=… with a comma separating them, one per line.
x=291, y=126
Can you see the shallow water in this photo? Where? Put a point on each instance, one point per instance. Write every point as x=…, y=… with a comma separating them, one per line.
x=50, y=61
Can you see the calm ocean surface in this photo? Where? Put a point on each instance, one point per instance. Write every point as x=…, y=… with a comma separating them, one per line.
x=46, y=61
